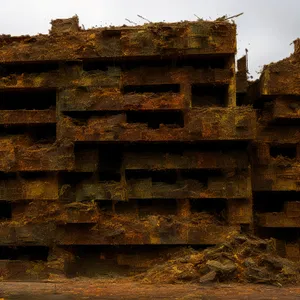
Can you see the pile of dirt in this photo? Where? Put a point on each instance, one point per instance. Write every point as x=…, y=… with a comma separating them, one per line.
x=242, y=258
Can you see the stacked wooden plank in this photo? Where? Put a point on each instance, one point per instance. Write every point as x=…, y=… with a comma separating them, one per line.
x=122, y=136
x=276, y=169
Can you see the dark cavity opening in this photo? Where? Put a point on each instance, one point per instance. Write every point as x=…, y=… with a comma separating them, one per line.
x=27, y=99
x=110, y=161
x=95, y=65
x=35, y=175
x=173, y=176
x=158, y=88
x=197, y=62
x=211, y=96
x=163, y=207
x=155, y=119
x=110, y=158
x=86, y=157
x=5, y=210
x=20, y=68
x=41, y=133
x=109, y=176
x=179, y=148
x=169, y=176
x=241, y=99
x=212, y=206
x=72, y=178
x=30, y=253
x=116, y=34
x=204, y=63
x=125, y=207
x=82, y=117
x=264, y=202
x=7, y=176
x=174, y=148
x=290, y=235
x=105, y=205
x=201, y=176
x=68, y=182
x=289, y=151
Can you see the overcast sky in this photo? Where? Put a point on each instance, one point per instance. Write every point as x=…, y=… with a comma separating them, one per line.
x=266, y=29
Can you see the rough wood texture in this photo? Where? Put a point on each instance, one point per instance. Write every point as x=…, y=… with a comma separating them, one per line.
x=68, y=42
x=133, y=136
x=283, y=77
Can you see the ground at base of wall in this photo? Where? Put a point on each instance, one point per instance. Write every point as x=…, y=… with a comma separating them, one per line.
x=126, y=289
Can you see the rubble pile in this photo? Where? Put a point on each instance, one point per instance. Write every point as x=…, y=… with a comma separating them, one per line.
x=243, y=258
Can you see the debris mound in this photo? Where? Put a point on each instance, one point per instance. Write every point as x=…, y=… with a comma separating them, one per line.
x=243, y=258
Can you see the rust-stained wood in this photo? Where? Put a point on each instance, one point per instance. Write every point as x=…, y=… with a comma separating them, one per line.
x=207, y=124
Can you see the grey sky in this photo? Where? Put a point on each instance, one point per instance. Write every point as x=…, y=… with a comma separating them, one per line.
x=267, y=27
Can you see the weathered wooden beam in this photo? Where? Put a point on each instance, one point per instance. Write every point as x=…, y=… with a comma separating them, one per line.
x=186, y=160
x=191, y=38
x=166, y=75
x=160, y=234
x=280, y=175
x=286, y=107
x=27, y=117
x=37, y=157
x=54, y=157
x=65, y=77
x=111, y=99
x=29, y=188
x=278, y=220
x=207, y=124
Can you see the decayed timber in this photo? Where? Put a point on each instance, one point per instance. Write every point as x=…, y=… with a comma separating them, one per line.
x=239, y=211
x=154, y=75
x=186, y=160
x=283, y=77
x=23, y=270
x=111, y=99
x=280, y=175
x=28, y=117
x=36, y=157
x=279, y=134
x=289, y=218
x=186, y=38
x=207, y=124
x=65, y=76
x=127, y=231
x=241, y=76
x=292, y=209
x=19, y=234
x=278, y=220
x=7, y=155
x=86, y=158
x=287, y=107
x=45, y=158
x=147, y=233
x=238, y=186
x=55, y=212
x=29, y=188
x=110, y=96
